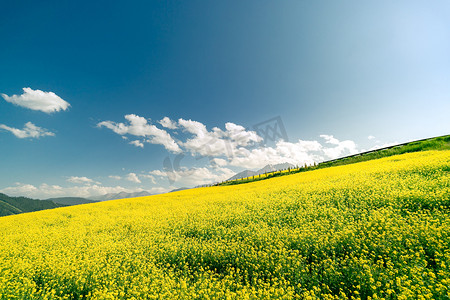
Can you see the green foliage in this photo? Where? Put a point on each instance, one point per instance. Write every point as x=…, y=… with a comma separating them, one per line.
x=16, y=205
x=439, y=143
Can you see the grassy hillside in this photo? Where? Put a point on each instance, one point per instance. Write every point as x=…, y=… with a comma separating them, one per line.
x=437, y=143
x=378, y=229
x=16, y=205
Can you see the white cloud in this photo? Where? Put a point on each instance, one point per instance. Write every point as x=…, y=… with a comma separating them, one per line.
x=196, y=176
x=29, y=131
x=342, y=148
x=81, y=180
x=38, y=100
x=240, y=136
x=168, y=123
x=115, y=177
x=44, y=190
x=19, y=189
x=248, y=157
x=193, y=127
x=138, y=126
x=152, y=179
x=161, y=137
x=137, y=143
x=132, y=177
x=232, y=146
x=158, y=173
x=216, y=142
x=219, y=162
x=297, y=153
x=371, y=137
x=259, y=157
x=329, y=139
x=171, y=175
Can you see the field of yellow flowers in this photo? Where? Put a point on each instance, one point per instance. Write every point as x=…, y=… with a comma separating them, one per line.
x=372, y=230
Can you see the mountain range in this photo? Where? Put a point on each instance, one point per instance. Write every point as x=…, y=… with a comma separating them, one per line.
x=70, y=200
x=267, y=169
x=121, y=195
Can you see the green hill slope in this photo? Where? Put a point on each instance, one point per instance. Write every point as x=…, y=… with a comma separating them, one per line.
x=16, y=205
x=436, y=143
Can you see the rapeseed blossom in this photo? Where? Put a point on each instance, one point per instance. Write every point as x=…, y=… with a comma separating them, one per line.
x=373, y=230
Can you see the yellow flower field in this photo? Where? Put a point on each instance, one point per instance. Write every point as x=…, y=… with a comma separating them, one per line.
x=372, y=230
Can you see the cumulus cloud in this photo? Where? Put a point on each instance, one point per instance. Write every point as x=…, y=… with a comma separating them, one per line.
x=44, y=190
x=81, y=180
x=240, y=136
x=20, y=189
x=158, y=173
x=231, y=146
x=132, y=177
x=371, y=137
x=293, y=153
x=329, y=139
x=29, y=131
x=297, y=153
x=115, y=177
x=196, y=175
x=216, y=142
x=150, y=177
x=138, y=126
x=204, y=142
x=219, y=162
x=168, y=123
x=47, y=102
x=343, y=148
x=137, y=143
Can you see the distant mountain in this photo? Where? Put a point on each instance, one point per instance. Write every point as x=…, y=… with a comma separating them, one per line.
x=285, y=166
x=243, y=174
x=267, y=169
x=17, y=205
x=179, y=189
x=70, y=200
x=272, y=168
x=121, y=195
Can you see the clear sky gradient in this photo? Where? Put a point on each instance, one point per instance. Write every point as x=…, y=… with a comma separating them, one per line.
x=343, y=76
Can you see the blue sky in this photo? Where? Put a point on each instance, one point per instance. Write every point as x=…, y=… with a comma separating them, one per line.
x=99, y=77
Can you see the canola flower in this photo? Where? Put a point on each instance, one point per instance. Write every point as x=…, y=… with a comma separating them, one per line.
x=373, y=230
